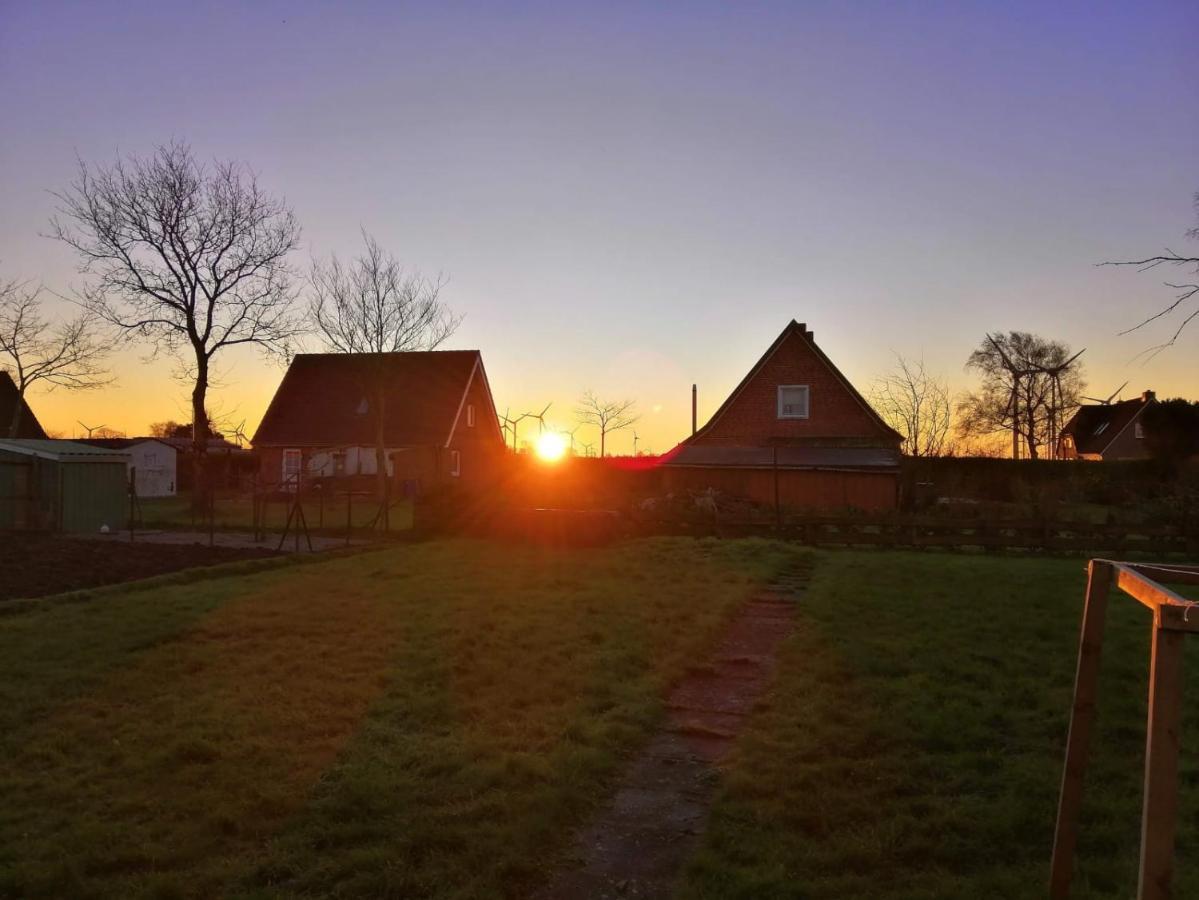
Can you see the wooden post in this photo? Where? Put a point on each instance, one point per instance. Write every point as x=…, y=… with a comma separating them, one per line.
x=1082, y=721
x=1159, y=815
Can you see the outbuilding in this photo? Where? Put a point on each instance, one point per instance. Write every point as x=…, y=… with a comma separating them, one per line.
x=62, y=486
x=152, y=463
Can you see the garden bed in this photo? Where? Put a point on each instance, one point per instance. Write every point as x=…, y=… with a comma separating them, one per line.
x=36, y=565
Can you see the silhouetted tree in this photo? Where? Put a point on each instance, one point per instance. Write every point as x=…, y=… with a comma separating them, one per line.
x=69, y=355
x=606, y=415
x=1187, y=287
x=916, y=405
x=1017, y=393
x=373, y=306
x=192, y=258
x=1171, y=430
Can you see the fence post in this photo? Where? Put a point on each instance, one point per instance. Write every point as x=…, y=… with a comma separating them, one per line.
x=132, y=498
x=349, y=514
x=1159, y=815
x=1082, y=721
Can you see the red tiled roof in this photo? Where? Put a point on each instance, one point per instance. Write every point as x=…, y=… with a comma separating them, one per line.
x=29, y=427
x=1094, y=427
x=326, y=398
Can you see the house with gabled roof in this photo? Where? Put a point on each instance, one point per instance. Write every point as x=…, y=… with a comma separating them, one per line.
x=1107, y=431
x=440, y=423
x=794, y=431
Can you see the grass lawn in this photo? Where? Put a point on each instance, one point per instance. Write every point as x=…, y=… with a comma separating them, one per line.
x=913, y=745
x=427, y=720
x=233, y=510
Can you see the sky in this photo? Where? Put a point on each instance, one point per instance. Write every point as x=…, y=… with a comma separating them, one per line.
x=631, y=198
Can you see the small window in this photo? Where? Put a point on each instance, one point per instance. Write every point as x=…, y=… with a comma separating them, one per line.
x=470, y=415
x=1102, y=427
x=455, y=463
x=793, y=401
x=1140, y=431
x=291, y=469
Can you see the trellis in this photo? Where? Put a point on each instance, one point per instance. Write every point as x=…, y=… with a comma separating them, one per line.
x=1173, y=617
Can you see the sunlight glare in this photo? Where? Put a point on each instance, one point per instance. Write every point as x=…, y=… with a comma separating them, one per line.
x=551, y=446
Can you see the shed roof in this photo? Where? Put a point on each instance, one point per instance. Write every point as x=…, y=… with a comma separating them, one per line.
x=121, y=443
x=63, y=451
x=789, y=457
x=326, y=399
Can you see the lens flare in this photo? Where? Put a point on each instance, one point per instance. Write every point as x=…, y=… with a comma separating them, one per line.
x=551, y=446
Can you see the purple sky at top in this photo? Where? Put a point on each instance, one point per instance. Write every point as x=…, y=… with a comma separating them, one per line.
x=632, y=197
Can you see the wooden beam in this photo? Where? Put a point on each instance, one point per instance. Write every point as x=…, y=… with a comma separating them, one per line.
x=1159, y=815
x=1082, y=720
x=1145, y=590
x=1167, y=573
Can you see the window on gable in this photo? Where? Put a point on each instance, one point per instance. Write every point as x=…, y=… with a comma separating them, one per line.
x=455, y=463
x=793, y=401
x=1140, y=431
x=470, y=415
x=1102, y=427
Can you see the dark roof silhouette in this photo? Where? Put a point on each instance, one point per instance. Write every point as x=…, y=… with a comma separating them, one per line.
x=1095, y=426
x=28, y=427
x=122, y=443
x=326, y=399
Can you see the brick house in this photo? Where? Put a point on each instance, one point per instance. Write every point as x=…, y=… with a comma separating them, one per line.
x=794, y=429
x=440, y=423
x=1107, y=431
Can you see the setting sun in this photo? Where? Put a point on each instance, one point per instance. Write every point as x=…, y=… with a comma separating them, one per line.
x=551, y=446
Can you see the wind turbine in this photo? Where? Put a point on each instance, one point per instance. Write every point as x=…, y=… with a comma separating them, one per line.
x=540, y=417
x=90, y=428
x=571, y=433
x=1108, y=401
x=635, y=439
x=1013, y=406
x=588, y=449
x=1055, y=397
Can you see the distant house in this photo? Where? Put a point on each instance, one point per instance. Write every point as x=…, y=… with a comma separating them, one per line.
x=28, y=426
x=440, y=422
x=795, y=429
x=151, y=461
x=1107, y=431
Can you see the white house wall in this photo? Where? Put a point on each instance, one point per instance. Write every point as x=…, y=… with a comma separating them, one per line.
x=156, y=468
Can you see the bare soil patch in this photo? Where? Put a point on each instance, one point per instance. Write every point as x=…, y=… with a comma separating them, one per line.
x=36, y=565
x=639, y=842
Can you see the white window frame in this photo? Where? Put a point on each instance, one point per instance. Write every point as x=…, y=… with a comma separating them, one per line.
x=1139, y=431
x=807, y=393
x=455, y=463
x=291, y=477
x=470, y=415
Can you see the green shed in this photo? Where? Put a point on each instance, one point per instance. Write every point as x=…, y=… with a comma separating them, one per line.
x=62, y=486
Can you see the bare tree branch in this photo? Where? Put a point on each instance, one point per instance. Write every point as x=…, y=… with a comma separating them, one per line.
x=606, y=415
x=916, y=405
x=373, y=306
x=1187, y=293
x=69, y=355
x=191, y=258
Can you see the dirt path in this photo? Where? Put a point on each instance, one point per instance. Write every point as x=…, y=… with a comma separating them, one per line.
x=638, y=843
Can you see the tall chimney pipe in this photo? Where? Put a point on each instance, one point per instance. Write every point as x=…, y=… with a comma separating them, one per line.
x=693, y=409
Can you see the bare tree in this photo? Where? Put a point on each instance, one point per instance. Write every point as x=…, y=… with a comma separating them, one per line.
x=1029, y=384
x=606, y=415
x=192, y=258
x=1186, y=290
x=69, y=355
x=916, y=405
x=373, y=306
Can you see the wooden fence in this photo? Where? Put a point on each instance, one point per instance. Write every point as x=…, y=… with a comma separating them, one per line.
x=931, y=531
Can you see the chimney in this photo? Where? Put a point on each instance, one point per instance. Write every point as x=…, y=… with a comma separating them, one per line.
x=1148, y=397
x=693, y=395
